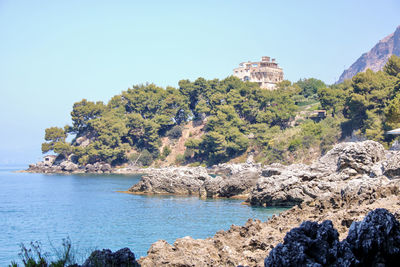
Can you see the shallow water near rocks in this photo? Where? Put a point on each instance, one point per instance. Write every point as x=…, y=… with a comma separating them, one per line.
x=88, y=210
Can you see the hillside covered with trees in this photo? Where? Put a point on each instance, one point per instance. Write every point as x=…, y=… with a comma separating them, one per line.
x=239, y=119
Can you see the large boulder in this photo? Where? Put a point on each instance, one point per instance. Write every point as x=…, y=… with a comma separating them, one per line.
x=98, y=167
x=373, y=242
x=173, y=180
x=90, y=168
x=106, y=258
x=311, y=244
x=287, y=186
x=235, y=168
x=68, y=166
x=391, y=167
x=83, y=141
x=361, y=156
x=237, y=180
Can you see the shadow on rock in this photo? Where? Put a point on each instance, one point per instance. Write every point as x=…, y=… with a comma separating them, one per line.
x=106, y=258
x=373, y=242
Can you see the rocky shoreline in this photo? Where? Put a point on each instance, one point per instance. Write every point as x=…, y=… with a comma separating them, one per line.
x=346, y=165
x=250, y=244
x=343, y=186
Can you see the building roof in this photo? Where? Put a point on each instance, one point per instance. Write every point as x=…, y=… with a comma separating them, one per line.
x=395, y=131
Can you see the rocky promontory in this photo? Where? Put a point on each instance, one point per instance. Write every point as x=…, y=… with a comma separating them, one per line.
x=348, y=164
x=196, y=181
x=67, y=166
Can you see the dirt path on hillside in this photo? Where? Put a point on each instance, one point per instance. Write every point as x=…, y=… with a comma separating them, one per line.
x=178, y=146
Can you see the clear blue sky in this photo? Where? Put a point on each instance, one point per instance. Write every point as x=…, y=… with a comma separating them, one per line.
x=54, y=53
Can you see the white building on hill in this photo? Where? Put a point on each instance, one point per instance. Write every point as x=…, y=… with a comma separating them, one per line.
x=266, y=72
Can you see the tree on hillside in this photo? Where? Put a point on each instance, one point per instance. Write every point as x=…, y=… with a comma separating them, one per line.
x=84, y=111
x=392, y=113
x=333, y=98
x=142, y=133
x=371, y=92
x=56, y=141
x=392, y=67
x=310, y=86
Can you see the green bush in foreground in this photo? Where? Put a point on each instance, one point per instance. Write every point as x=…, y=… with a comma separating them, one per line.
x=34, y=257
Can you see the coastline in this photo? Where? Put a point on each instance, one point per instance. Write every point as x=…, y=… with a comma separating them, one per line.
x=342, y=186
x=347, y=164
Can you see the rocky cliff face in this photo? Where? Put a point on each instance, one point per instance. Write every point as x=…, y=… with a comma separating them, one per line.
x=376, y=58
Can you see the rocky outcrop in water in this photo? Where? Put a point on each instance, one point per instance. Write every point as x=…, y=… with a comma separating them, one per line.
x=173, y=180
x=343, y=186
x=98, y=167
x=375, y=241
x=65, y=166
x=278, y=185
x=196, y=181
x=68, y=166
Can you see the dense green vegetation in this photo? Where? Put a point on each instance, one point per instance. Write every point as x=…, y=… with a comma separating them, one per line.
x=238, y=117
x=369, y=102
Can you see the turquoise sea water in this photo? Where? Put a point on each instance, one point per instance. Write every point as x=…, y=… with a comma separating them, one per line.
x=88, y=210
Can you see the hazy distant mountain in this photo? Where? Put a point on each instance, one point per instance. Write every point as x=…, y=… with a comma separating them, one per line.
x=376, y=58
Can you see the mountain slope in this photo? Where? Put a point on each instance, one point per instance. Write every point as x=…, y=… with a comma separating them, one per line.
x=376, y=58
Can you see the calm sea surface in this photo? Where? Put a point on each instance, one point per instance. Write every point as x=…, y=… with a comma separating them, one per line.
x=88, y=210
